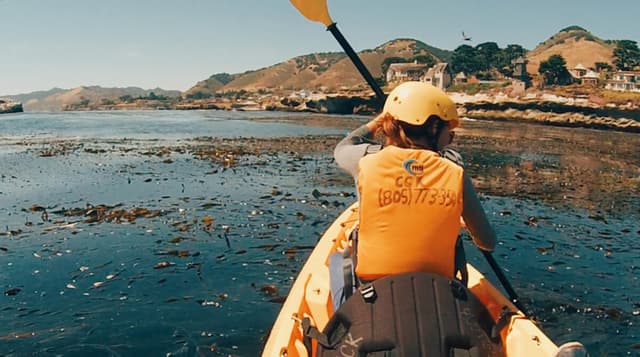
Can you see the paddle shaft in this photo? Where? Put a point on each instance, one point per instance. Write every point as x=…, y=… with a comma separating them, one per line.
x=333, y=28
x=504, y=281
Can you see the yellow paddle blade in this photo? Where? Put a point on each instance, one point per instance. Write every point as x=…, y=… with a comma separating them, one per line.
x=314, y=10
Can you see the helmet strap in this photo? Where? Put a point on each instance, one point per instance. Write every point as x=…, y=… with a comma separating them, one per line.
x=433, y=140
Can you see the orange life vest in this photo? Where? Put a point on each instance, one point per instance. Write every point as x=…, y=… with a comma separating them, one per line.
x=410, y=207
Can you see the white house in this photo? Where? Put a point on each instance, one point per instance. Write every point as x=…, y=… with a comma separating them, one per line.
x=578, y=71
x=402, y=72
x=439, y=75
x=624, y=81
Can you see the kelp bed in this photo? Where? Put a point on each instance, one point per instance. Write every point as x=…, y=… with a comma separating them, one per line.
x=145, y=247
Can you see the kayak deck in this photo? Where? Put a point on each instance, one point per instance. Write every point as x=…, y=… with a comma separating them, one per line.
x=310, y=297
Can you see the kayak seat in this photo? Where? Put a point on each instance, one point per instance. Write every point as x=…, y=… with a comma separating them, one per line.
x=412, y=314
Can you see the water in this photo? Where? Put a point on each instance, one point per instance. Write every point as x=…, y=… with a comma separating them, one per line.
x=155, y=125
x=204, y=270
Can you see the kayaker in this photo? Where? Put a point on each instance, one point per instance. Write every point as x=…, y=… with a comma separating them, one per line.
x=413, y=189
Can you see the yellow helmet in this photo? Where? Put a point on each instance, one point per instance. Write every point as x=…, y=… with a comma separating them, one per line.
x=415, y=102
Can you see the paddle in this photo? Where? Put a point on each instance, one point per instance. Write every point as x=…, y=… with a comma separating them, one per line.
x=505, y=282
x=316, y=10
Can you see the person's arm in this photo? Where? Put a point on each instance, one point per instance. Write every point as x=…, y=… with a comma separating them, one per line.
x=475, y=219
x=354, y=146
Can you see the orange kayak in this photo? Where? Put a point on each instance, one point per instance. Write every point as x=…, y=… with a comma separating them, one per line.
x=310, y=300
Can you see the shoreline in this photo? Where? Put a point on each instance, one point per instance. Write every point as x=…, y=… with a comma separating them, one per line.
x=543, y=108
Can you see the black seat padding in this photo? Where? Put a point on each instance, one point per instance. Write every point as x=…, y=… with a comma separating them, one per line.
x=413, y=314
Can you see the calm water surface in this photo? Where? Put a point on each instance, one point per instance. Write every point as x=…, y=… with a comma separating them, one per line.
x=204, y=270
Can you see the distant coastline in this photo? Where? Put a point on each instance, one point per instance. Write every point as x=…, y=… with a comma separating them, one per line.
x=547, y=108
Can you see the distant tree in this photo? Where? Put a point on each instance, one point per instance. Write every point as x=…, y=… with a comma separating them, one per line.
x=424, y=59
x=153, y=96
x=239, y=94
x=83, y=101
x=626, y=55
x=488, y=55
x=573, y=28
x=224, y=78
x=603, y=66
x=198, y=95
x=465, y=60
x=126, y=98
x=554, y=71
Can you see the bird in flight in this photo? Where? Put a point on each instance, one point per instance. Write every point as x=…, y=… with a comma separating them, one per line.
x=465, y=37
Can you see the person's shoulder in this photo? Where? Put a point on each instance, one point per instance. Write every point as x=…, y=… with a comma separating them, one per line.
x=452, y=156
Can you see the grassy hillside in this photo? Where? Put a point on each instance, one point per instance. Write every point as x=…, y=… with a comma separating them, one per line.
x=576, y=45
x=329, y=71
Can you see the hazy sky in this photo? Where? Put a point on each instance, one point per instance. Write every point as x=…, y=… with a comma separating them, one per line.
x=172, y=44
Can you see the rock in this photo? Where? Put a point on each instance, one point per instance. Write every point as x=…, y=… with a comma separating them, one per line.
x=345, y=105
x=10, y=106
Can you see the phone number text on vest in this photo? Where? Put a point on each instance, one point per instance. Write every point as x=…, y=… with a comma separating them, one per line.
x=405, y=194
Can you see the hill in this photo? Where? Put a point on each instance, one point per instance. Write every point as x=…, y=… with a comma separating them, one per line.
x=332, y=71
x=39, y=95
x=56, y=99
x=576, y=45
x=329, y=71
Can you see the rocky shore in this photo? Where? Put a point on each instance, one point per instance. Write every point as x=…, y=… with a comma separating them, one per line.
x=544, y=109
x=9, y=106
x=570, y=110
x=535, y=106
x=558, y=113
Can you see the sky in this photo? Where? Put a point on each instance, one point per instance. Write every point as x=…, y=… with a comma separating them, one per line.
x=173, y=44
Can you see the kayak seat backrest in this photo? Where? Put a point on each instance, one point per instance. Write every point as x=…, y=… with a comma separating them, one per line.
x=413, y=314
x=342, y=266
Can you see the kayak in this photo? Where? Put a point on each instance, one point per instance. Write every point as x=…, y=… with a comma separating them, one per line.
x=409, y=315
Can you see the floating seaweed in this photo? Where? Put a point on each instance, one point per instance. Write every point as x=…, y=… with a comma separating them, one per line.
x=12, y=291
x=269, y=289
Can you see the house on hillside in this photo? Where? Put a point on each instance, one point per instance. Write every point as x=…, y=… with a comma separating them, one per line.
x=520, y=70
x=624, y=81
x=584, y=75
x=590, y=78
x=578, y=71
x=439, y=75
x=460, y=78
x=402, y=72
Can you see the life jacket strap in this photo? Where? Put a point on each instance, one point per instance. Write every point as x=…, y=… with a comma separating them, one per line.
x=460, y=263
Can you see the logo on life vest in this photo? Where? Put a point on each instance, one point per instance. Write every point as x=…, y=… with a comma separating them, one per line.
x=412, y=167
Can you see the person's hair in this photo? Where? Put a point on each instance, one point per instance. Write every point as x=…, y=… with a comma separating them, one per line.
x=405, y=135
